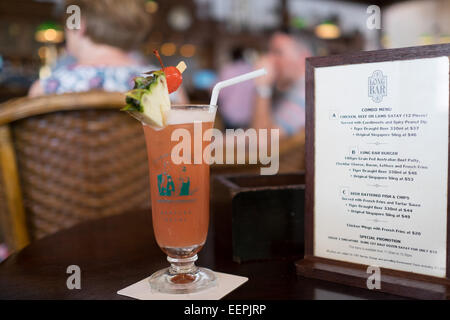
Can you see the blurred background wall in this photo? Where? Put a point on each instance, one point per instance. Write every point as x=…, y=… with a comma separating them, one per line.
x=418, y=22
x=203, y=32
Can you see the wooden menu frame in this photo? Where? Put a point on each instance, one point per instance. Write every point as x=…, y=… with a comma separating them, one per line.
x=392, y=281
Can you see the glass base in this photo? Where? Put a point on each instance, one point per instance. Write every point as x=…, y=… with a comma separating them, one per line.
x=177, y=281
x=163, y=281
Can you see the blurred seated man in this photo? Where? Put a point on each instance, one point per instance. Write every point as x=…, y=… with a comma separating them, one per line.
x=280, y=95
x=102, y=49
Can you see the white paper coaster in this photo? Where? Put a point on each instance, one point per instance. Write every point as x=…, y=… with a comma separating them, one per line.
x=225, y=284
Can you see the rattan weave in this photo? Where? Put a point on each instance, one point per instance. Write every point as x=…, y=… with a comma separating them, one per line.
x=79, y=165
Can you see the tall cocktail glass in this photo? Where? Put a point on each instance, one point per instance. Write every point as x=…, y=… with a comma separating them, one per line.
x=180, y=196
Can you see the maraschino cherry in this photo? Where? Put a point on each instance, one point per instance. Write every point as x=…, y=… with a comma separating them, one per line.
x=174, y=75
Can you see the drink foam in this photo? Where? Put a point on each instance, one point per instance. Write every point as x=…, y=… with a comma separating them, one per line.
x=182, y=115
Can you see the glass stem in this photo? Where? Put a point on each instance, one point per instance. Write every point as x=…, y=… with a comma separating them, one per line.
x=182, y=265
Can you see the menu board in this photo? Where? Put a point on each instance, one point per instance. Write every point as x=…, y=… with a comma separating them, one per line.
x=381, y=164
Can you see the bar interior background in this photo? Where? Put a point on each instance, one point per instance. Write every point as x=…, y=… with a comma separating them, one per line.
x=203, y=32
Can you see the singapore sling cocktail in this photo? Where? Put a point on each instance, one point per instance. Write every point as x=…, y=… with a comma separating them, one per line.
x=179, y=191
x=181, y=207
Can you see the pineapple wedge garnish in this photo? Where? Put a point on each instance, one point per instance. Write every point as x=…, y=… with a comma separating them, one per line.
x=149, y=100
x=156, y=102
x=151, y=97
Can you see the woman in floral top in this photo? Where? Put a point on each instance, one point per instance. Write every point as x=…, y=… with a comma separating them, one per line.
x=109, y=31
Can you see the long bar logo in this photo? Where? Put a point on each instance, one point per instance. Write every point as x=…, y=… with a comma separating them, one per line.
x=377, y=86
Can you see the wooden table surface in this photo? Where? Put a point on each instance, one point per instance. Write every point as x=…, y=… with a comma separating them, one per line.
x=117, y=251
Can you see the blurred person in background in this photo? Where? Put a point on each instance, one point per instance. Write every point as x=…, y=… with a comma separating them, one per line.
x=102, y=50
x=3, y=252
x=236, y=102
x=280, y=95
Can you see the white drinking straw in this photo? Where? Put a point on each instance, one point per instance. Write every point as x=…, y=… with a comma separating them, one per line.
x=232, y=81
